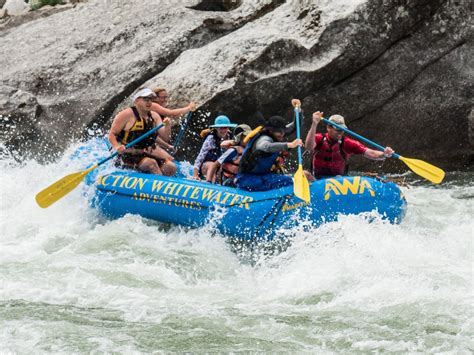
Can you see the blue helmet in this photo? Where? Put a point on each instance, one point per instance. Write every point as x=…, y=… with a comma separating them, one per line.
x=223, y=121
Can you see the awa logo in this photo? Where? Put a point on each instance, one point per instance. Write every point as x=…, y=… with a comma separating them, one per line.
x=357, y=186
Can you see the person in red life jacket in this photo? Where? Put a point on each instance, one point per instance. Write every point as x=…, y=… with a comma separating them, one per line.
x=260, y=155
x=133, y=122
x=229, y=161
x=331, y=151
x=160, y=106
x=211, y=149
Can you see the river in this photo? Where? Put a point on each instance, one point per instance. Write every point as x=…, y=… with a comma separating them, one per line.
x=75, y=282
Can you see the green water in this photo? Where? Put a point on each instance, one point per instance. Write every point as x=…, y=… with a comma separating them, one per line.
x=73, y=282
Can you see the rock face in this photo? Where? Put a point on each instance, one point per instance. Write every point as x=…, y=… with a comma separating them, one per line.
x=14, y=7
x=399, y=71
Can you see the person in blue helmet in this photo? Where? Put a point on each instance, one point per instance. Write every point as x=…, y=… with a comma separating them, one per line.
x=261, y=155
x=211, y=148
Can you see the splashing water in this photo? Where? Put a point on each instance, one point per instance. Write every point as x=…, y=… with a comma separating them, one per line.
x=73, y=281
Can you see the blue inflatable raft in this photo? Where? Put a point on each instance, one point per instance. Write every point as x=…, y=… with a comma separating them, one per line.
x=238, y=213
x=231, y=211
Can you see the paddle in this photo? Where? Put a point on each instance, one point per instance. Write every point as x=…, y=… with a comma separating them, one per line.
x=181, y=132
x=419, y=167
x=62, y=187
x=300, y=184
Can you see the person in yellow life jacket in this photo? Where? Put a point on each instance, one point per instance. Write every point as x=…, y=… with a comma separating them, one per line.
x=133, y=122
x=331, y=151
x=211, y=148
x=229, y=161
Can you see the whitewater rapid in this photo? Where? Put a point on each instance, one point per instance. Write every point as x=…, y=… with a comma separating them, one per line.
x=74, y=281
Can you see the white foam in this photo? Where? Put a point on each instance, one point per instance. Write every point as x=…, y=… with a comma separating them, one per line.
x=372, y=286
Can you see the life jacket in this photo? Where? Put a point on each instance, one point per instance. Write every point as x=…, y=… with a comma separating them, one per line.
x=329, y=158
x=216, y=152
x=139, y=128
x=231, y=168
x=279, y=165
x=256, y=162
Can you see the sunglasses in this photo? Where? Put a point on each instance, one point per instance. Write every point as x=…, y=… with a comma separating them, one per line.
x=147, y=98
x=337, y=130
x=163, y=97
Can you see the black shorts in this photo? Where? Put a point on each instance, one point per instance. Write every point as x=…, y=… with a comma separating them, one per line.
x=132, y=161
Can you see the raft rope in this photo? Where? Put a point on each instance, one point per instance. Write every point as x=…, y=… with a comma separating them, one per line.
x=255, y=201
x=287, y=197
x=275, y=211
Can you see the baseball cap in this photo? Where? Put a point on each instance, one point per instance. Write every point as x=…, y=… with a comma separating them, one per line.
x=276, y=124
x=146, y=92
x=240, y=132
x=339, y=120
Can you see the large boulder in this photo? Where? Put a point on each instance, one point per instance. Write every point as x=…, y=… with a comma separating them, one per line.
x=14, y=7
x=79, y=64
x=417, y=95
x=18, y=129
x=399, y=71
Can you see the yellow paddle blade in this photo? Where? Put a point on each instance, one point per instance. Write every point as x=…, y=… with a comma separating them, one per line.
x=424, y=169
x=60, y=188
x=301, y=185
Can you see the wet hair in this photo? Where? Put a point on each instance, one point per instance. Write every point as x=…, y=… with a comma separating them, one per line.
x=158, y=90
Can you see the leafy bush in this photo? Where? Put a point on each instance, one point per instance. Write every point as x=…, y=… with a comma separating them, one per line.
x=36, y=4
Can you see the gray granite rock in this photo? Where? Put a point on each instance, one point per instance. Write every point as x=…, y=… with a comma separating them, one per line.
x=391, y=67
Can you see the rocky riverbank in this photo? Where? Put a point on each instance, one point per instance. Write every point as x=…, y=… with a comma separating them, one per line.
x=399, y=71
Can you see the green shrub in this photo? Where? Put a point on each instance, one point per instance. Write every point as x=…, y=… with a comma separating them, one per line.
x=36, y=4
